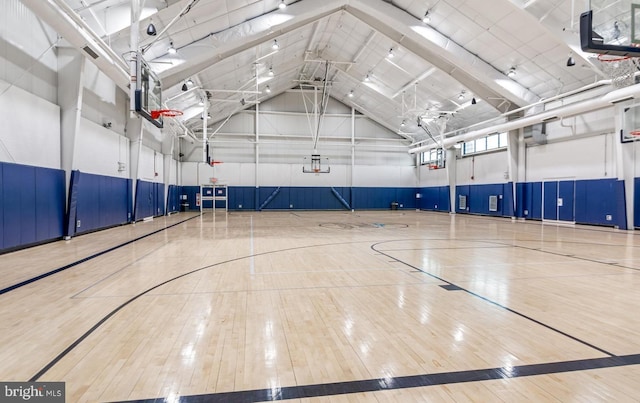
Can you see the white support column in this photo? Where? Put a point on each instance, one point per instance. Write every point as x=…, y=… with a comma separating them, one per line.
x=513, y=161
x=257, y=151
x=70, y=86
x=135, y=130
x=167, y=156
x=451, y=166
x=353, y=146
x=134, y=42
x=625, y=161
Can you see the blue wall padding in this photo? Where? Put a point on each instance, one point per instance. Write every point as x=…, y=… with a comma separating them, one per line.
x=598, y=198
x=566, y=190
x=381, y=198
x=434, y=198
x=149, y=201
x=529, y=200
x=594, y=201
x=550, y=194
x=340, y=198
x=173, y=198
x=478, y=199
x=270, y=197
x=32, y=201
x=100, y=202
x=309, y=198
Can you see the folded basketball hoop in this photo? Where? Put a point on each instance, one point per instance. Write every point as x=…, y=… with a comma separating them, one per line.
x=168, y=113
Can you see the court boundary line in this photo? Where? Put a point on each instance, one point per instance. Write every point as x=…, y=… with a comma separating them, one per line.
x=86, y=259
x=406, y=382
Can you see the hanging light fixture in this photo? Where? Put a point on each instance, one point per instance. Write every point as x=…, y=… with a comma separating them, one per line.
x=189, y=82
x=570, y=61
x=185, y=87
x=151, y=29
x=282, y=5
x=461, y=96
x=367, y=78
x=271, y=71
x=427, y=17
x=391, y=54
x=402, y=123
x=268, y=90
x=512, y=72
x=275, y=45
x=171, y=50
x=351, y=94
x=473, y=101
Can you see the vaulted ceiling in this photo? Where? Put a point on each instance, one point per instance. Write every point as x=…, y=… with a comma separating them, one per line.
x=463, y=53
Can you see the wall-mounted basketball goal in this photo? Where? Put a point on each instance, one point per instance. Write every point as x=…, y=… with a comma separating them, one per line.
x=316, y=165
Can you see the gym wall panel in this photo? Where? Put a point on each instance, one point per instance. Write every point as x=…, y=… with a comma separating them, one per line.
x=31, y=205
x=100, y=202
x=173, y=199
x=597, y=202
x=50, y=203
x=478, y=199
x=149, y=200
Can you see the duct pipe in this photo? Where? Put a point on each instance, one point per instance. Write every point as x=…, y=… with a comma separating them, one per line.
x=607, y=100
x=79, y=35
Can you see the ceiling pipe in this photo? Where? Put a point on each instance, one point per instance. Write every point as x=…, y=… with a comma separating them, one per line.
x=68, y=24
x=607, y=100
x=545, y=101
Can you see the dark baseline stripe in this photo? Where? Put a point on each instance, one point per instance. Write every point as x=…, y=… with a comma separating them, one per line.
x=506, y=308
x=85, y=259
x=404, y=382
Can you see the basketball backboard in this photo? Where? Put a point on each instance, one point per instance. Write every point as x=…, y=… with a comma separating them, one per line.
x=611, y=27
x=148, y=94
x=630, y=130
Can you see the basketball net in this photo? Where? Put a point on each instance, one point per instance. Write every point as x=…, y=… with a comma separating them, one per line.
x=620, y=69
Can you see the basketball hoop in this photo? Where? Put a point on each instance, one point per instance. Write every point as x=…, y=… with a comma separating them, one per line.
x=167, y=113
x=621, y=69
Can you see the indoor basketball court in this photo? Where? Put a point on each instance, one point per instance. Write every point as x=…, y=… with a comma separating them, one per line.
x=346, y=306
x=353, y=201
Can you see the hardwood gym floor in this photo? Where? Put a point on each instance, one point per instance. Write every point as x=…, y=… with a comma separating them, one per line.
x=328, y=306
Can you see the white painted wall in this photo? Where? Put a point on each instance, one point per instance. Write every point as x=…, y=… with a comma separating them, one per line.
x=98, y=150
x=581, y=158
x=482, y=169
x=27, y=58
x=30, y=132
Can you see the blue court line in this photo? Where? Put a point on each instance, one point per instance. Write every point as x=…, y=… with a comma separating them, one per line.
x=95, y=255
x=405, y=382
